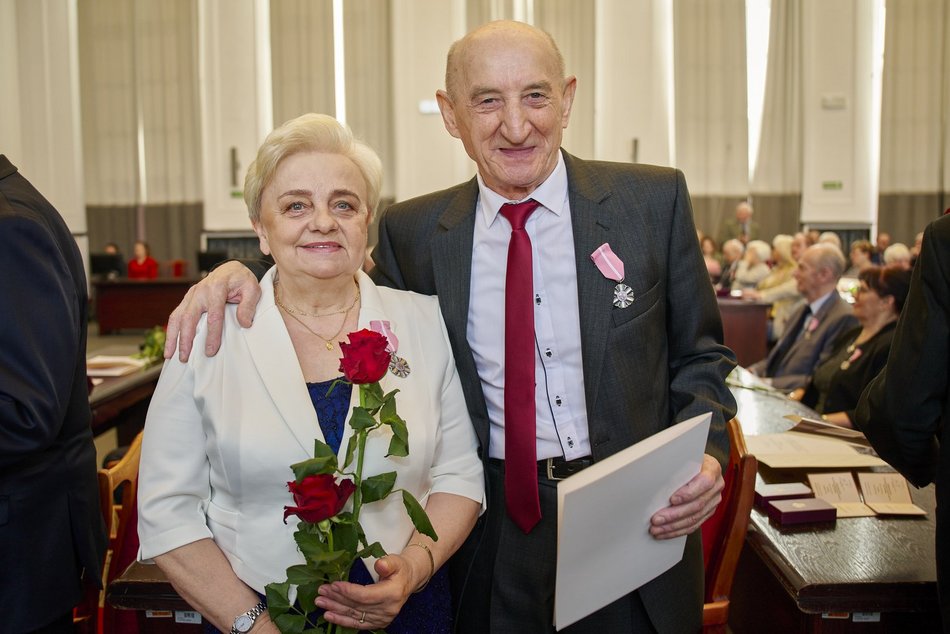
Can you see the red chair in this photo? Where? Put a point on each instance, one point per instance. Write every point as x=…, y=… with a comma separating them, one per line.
x=724, y=532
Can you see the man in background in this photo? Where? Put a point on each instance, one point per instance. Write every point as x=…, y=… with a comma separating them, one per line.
x=608, y=368
x=742, y=227
x=811, y=331
x=52, y=539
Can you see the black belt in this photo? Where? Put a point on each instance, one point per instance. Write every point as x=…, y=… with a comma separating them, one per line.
x=556, y=468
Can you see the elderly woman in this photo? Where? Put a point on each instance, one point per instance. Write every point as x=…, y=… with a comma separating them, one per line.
x=860, y=256
x=779, y=287
x=859, y=354
x=222, y=431
x=753, y=267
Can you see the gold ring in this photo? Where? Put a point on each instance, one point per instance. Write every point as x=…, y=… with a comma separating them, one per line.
x=362, y=617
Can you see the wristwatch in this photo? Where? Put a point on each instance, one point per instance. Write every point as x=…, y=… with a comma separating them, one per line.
x=243, y=623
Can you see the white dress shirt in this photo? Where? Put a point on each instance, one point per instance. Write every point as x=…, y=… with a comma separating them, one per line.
x=559, y=377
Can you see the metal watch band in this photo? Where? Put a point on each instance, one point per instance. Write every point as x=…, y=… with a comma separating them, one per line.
x=250, y=615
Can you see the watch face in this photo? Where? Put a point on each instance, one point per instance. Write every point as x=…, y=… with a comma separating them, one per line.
x=243, y=623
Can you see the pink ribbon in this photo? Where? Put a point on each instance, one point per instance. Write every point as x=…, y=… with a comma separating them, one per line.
x=382, y=327
x=608, y=263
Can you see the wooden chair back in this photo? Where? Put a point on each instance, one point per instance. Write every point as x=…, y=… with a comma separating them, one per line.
x=724, y=533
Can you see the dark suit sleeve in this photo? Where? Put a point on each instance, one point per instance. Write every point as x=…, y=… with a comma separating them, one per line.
x=39, y=340
x=901, y=409
x=386, y=270
x=698, y=361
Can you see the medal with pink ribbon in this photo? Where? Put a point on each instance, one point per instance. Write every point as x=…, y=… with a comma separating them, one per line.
x=397, y=365
x=611, y=267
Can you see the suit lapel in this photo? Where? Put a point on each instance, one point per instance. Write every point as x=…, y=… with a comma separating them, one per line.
x=273, y=354
x=595, y=219
x=452, y=269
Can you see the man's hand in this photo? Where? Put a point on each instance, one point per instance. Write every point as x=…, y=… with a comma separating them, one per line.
x=233, y=283
x=691, y=504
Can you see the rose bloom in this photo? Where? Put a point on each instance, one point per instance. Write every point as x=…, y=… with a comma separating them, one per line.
x=365, y=359
x=318, y=497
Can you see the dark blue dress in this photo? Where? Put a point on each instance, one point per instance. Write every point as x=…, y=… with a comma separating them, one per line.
x=426, y=612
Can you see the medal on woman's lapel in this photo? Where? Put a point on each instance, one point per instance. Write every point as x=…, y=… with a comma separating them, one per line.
x=611, y=267
x=397, y=365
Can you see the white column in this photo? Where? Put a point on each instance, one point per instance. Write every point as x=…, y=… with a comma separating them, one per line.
x=236, y=102
x=839, y=177
x=426, y=157
x=632, y=81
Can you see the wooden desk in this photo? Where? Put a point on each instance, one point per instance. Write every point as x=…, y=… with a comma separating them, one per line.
x=789, y=577
x=744, y=328
x=124, y=303
x=143, y=587
x=122, y=402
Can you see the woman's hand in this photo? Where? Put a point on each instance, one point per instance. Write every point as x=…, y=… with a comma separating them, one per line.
x=797, y=394
x=372, y=607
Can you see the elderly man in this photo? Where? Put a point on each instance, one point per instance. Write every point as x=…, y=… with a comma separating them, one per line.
x=742, y=227
x=609, y=359
x=811, y=331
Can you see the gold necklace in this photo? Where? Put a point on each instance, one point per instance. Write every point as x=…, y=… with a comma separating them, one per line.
x=332, y=340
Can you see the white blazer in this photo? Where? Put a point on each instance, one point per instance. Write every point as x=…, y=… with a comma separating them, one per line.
x=222, y=432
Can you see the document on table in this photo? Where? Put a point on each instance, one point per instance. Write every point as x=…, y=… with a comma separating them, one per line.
x=840, y=490
x=887, y=494
x=792, y=450
x=605, y=549
x=103, y=365
x=812, y=426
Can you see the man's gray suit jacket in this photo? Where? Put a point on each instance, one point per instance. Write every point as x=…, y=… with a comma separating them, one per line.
x=796, y=355
x=646, y=367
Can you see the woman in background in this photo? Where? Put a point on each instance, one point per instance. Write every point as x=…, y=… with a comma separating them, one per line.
x=779, y=287
x=142, y=266
x=858, y=355
x=754, y=265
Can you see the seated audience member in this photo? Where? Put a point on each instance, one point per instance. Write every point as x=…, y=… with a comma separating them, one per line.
x=732, y=252
x=860, y=256
x=812, y=236
x=897, y=255
x=812, y=330
x=831, y=238
x=779, y=287
x=753, y=267
x=859, y=354
x=711, y=258
x=742, y=227
x=142, y=266
x=883, y=241
x=111, y=248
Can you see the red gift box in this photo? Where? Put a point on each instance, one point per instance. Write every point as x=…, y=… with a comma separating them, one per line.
x=801, y=511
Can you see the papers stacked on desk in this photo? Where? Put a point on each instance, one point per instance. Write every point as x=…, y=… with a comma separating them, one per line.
x=794, y=450
x=604, y=547
x=104, y=366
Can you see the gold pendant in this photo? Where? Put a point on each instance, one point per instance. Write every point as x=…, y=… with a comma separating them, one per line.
x=329, y=345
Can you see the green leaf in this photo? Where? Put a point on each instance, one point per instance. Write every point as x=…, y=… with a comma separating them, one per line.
x=306, y=595
x=350, y=451
x=291, y=623
x=314, y=466
x=361, y=419
x=346, y=537
x=311, y=545
x=373, y=550
x=378, y=486
x=278, y=601
x=418, y=516
x=399, y=443
x=387, y=413
x=322, y=449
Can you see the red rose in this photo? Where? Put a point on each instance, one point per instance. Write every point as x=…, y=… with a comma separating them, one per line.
x=318, y=497
x=365, y=359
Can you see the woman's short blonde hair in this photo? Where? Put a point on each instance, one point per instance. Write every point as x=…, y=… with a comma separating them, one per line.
x=782, y=245
x=310, y=133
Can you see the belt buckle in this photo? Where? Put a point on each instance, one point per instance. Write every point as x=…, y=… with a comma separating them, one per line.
x=549, y=463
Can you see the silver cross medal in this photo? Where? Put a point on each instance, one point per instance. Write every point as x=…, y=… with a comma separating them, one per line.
x=623, y=295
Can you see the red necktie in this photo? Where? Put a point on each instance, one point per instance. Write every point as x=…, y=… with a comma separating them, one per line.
x=521, y=462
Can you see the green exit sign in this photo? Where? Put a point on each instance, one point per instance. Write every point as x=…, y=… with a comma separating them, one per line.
x=832, y=185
